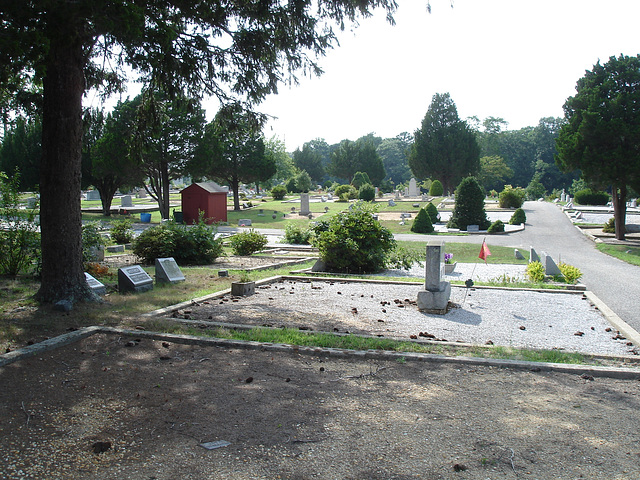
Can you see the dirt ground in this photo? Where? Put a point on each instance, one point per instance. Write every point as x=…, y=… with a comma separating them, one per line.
x=150, y=404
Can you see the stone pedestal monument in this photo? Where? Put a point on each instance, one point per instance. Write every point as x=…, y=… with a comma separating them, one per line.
x=304, y=204
x=435, y=296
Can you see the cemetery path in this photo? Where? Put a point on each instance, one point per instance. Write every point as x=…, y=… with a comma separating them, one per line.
x=549, y=230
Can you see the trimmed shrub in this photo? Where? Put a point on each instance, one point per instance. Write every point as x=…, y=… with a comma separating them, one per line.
x=246, y=243
x=511, y=197
x=360, y=179
x=351, y=192
x=433, y=213
x=195, y=245
x=352, y=241
x=436, y=189
x=518, y=217
x=91, y=240
x=121, y=231
x=591, y=197
x=496, y=227
x=469, y=209
x=279, y=192
x=367, y=192
x=610, y=226
x=422, y=222
x=535, y=190
x=570, y=273
x=296, y=235
x=535, y=272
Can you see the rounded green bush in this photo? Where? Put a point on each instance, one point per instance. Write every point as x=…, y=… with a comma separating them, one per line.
x=570, y=273
x=353, y=241
x=518, y=217
x=496, y=227
x=246, y=243
x=121, y=231
x=359, y=179
x=511, y=197
x=422, y=222
x=610, y=226
x=195, y=245
x=591, y=197
x=350, y=190
x=535, y=272
x=436, y=189
x=279, y=192
x=296, y=235
x=367, y=192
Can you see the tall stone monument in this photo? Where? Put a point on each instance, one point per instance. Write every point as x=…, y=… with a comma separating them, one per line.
x=413, y=188
x=435, y=296
x=304, y=204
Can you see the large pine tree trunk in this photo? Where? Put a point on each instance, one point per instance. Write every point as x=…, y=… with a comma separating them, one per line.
x=619, y=194
x=60, y=172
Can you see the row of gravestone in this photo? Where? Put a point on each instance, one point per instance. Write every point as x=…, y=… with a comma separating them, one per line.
x=135, y=279
x=550, y=266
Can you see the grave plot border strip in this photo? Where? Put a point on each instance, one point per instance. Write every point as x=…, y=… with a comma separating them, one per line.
x=593, y=370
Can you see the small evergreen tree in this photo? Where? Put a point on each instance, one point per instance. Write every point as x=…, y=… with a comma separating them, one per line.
x=433, y=212
x=496, y=227
x=360, y=179
x=469, y=209
x=422, y=222
x=518, y=217
x=436, y=189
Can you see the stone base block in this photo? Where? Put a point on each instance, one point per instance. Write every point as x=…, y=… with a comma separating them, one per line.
x=434, y=302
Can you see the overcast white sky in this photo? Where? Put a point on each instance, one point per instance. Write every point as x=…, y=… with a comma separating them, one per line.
x=502, y=58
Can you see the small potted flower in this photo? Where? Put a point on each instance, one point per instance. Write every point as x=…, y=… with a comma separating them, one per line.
x=449, y=264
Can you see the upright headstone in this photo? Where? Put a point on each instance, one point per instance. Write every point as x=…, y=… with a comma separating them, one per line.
x=518, y=255
x=168, y=271
x=413, y=188
x=31, y=202
x=397, y=195
x=125, y=201
x=134, y=279
x=406, y=191
x=93, y=195
x=304, y=204
x=550, y=267
x=392, y=203
x=329, y=196
x=95, y=285
x=533, y=255
x=634, y=203
x=141, y=193
x=563, y=197
x=244, y=222
x=377, y=192
x=473, y=228
x=435, y=296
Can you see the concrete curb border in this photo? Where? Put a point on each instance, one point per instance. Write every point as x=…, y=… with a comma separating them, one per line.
x=592, y=370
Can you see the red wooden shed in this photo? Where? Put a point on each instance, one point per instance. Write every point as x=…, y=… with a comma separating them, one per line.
x=209, y=198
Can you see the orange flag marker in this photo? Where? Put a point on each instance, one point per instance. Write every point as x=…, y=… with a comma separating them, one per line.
x=484, y=251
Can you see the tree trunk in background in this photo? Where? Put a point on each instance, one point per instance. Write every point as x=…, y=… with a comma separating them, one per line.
x=60, y=173
x=619, y=196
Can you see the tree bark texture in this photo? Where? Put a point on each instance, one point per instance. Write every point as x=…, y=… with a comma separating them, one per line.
x=619, y=196
x=60, y=173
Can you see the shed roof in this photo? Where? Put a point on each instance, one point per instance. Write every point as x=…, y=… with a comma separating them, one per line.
x=211, y=187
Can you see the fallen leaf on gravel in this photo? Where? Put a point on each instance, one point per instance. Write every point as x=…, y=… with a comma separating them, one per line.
x=579, y=334
x=458, y=467
x=522, y=327
x=584, y=376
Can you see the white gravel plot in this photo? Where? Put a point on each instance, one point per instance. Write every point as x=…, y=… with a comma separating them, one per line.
x=550, y=320
x=476, y=271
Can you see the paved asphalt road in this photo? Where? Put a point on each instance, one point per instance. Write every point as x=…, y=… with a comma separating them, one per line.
x=549, y=230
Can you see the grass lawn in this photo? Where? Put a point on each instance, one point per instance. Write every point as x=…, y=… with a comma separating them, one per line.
x=625, y=253
x=468, y=252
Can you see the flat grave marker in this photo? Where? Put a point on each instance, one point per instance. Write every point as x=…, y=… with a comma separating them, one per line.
x=95, y=285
